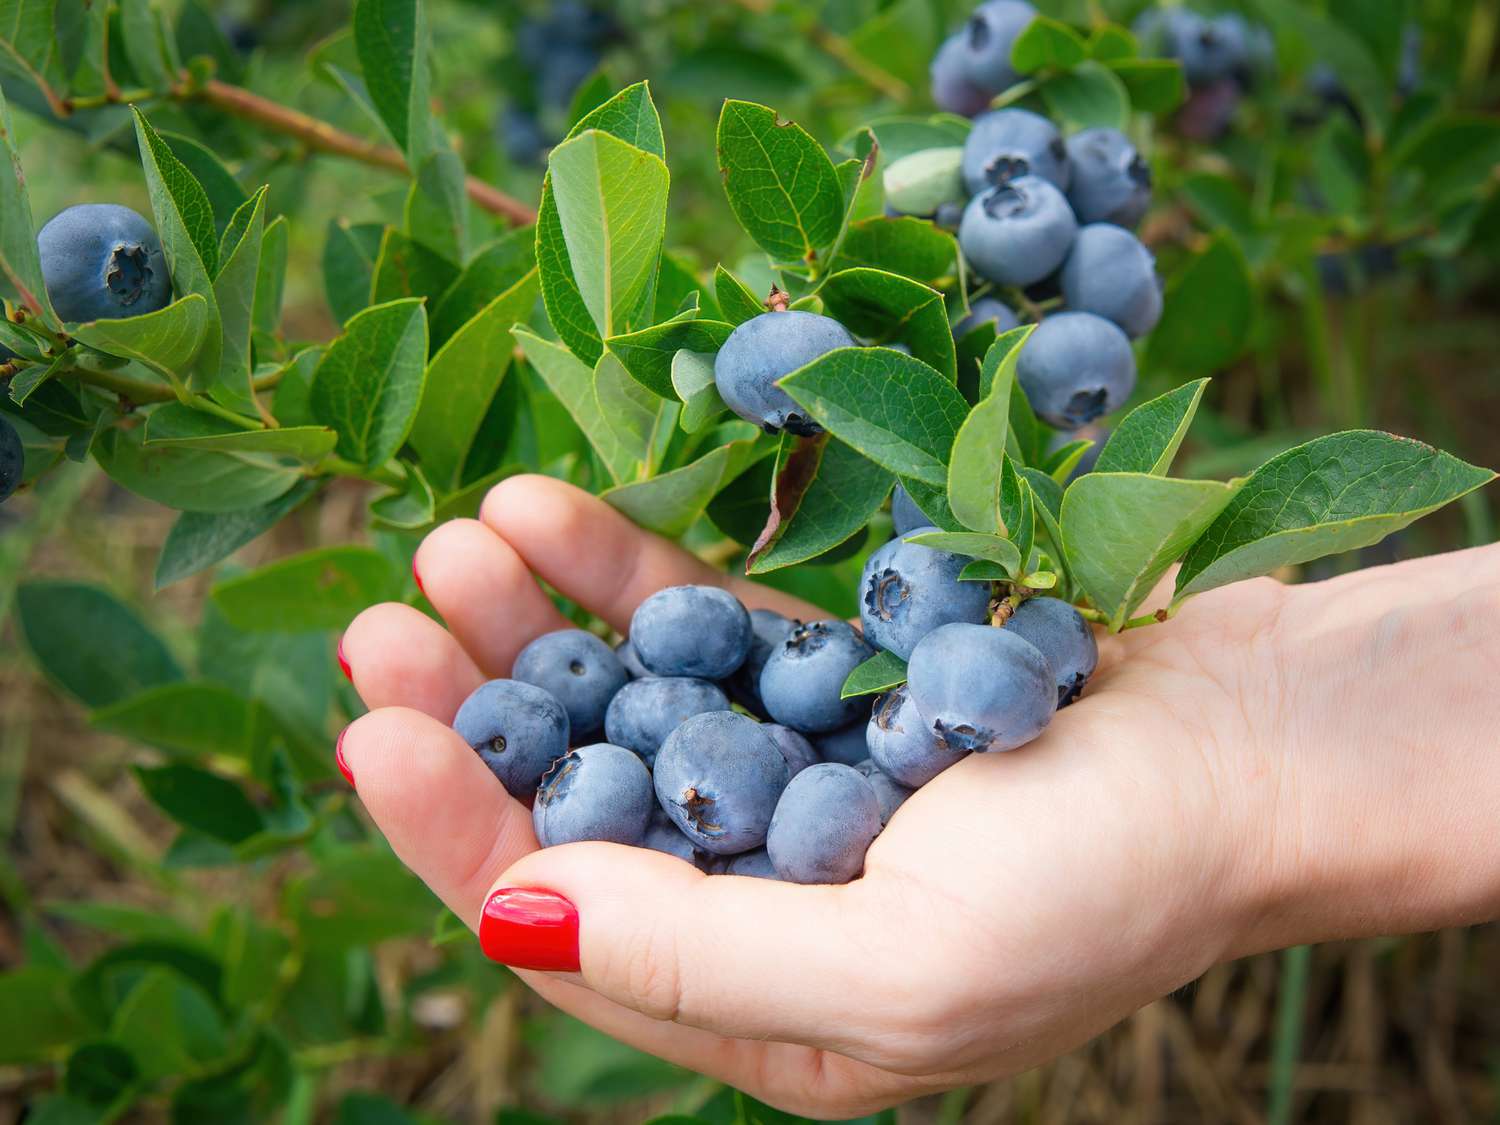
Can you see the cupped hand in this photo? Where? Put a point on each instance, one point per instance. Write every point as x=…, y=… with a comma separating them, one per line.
x=1014, y=907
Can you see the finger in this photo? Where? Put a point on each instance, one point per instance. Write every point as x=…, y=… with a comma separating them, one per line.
x=485, y=593
x=397, y=656
x=658, y=937
x=594, y=555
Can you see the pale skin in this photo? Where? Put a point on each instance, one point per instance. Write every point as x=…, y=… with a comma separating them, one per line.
x=1275, y=765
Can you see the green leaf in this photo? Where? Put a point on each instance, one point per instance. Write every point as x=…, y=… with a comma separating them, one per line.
x=1208, y=309
x=182, y=426
x=234, y=293
x=932, y=502
x=1111, y=43
x=899, y=38
x=26, y=381
x=1359, y=71
x=409, y=508
x=1017, y=510
x=974, y=470
x=498, y=267
x=893, y=408
x=824, y=492
x=358, y=897
x=1149, y=436
x=671, y=503
x=735, y=300
x=349, y=254
x=51, y=1020
x=983, y=570
x=62, y=622
x=888, y=308
x=993, y=548
x=693, y=380
x=18, y=254
x=270, y=278
x=194, y=480
x=1047, y=44
x=462, y=381
x=391, y=38
x=1155, y=86
x=612, y=206
x=1124, y=530
x=202, y=801
x=781, y=185
x=321, y=589
x=198, y=540
x=907, y=246
x=225, y=195
x=882, y=672
x=196, y=718
x=1333, y=494
x=572, y=382
x=902, y=135
x=170, y=1026
x=1089, y=95
x=407, y=268
x=629, y=409
x=168, y=340
x=368, y=384
x=99, y=1073
x=648, y=354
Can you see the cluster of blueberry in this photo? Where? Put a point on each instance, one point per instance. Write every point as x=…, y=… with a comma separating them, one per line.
x=1221, y=57
x=798, y=781
x=557, y=53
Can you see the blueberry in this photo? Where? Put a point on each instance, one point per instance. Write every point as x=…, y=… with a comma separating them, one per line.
x=101, y=260
x=890, y=793
x=1075, y=367
x=598, y=792
x=698, y=631
x=752, y=865
x=1059, y=633
x=12, y=459
x=1110, y=273
x=1019, y=233
x=579, y=670
x=762, y=350
x=949, y=215
x=987, y=39
x=803, y=677
x=847, y=744
x=768, y=629
x=1007, y=144
x=626, y=653
x=824, y=824
x=987, y=310
x=904, y=512
x=1209, y=110
x=1111, y=180
x=522, y=136
x=663, y=835
x=981, y=688
x=1208, y=49
x=902, y=746
x=952, y=91
x=797, y=751
x=719, y=776
x=518, y=729
x=908, y=590
x=644, y=712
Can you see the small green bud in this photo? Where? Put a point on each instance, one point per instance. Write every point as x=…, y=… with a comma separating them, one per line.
x=920, y=183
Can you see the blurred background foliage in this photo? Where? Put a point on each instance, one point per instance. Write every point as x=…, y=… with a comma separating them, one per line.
x=197, y=931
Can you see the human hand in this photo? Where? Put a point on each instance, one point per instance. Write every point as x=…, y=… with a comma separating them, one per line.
x=1195, y=805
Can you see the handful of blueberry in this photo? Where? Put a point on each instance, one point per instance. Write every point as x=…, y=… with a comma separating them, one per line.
x=793, y=780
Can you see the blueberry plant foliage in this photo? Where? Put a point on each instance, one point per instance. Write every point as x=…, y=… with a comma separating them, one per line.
x=580, y=345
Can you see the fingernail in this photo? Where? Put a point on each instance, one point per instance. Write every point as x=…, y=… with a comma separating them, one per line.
x=344, y=664
x=527, y=928
x=417, y=577
x=341, y=761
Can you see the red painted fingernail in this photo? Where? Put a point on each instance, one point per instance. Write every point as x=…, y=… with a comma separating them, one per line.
x=341, y=762
x=527, y=928
x=344, y=664
x=416, y=577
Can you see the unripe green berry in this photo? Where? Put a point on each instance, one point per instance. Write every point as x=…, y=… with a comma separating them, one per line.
x=921, y=182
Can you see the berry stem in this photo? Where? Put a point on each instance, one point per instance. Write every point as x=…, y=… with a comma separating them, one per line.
x=206, y=405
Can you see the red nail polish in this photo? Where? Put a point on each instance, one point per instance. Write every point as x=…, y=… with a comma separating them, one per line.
x=527, y=928
x=344, y=664
x=341, y=762
x=416, y=577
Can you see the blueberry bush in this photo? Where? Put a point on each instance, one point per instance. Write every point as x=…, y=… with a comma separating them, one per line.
x=897, y=271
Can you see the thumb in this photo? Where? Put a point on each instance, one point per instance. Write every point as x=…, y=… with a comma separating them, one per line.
x=741, y=957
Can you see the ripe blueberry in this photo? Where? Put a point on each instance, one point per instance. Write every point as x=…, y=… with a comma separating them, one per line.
x=889, y=792
x=797, y=751
x=768, y=629
x=752, y=865
x=101, y=260
x=762, y=350
x=908, y=590
x=981, y=688
x=987, y=310
x=644, y=712
x=902, y=746
x=579, y=670
x=987, y=39
x=952, y=91
x=1018, y=233
x=698, y=631
x=1110, y=273
x=663, y=835
x=1075, y=367
x=12, y=459
x=824, y=823
x=1111, y=181
x=517, y=729
x=719, y=776
x=804, y=675
x=598, y=792
x=847, y=744
x=1059, y=633
x=1007, y=144
x=904, y=512
x=626, y=653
